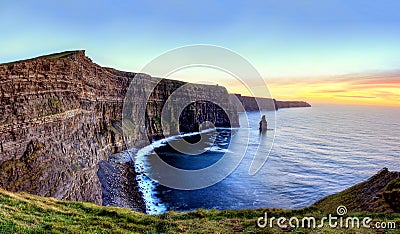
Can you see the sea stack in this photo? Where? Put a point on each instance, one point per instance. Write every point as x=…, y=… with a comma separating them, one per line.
x=263, y=124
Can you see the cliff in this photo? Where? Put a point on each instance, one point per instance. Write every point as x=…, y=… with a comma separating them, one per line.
x=291, y=104
x=378, y=194
x=61, y=116
x=257, y=103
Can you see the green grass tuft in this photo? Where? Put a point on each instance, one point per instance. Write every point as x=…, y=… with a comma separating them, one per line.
x=50, y=56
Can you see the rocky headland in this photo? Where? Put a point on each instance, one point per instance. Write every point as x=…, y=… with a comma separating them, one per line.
x=258, y=103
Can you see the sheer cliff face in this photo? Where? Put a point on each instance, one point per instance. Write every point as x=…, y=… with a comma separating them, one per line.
x=61, y=115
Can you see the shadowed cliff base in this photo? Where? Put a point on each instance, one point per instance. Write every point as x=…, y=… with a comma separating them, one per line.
x=118, y=183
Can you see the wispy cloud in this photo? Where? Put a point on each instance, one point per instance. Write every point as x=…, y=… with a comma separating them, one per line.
x=331, y=91
x=354, y=96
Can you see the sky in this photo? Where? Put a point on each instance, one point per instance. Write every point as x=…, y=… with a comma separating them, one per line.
x=313, y=50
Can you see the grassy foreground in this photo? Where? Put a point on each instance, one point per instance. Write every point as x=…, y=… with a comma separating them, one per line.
x=25, y=213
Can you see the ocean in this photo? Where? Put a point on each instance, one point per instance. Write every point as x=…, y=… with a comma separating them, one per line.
x=312, y=152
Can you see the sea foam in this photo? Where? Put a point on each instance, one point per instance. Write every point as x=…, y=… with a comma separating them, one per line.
x=148, y=186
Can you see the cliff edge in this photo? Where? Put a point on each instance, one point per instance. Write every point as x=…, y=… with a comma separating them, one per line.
x=378, y=194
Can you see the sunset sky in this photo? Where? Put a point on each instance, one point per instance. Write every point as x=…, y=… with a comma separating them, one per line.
x=319, y=51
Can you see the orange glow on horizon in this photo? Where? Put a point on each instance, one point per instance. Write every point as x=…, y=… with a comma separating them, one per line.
x=366, y=90
x=375, y=89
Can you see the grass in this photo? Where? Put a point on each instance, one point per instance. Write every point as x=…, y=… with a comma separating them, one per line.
x=54, y=101
x=394, y=185
x=25, y=213
x=58, y=55
x=345, y=197
x=50, y=56
x=5, y=122
x=364, y=196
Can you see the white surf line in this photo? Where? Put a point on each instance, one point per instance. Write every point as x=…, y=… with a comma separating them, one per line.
x=146, y=185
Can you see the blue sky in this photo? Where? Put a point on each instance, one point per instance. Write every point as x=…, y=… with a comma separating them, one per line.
x=281, y=38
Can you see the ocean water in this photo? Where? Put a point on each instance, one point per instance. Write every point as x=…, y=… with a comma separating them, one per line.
x=316, y=152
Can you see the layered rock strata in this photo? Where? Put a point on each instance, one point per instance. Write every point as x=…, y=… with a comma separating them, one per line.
x=61, y=116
